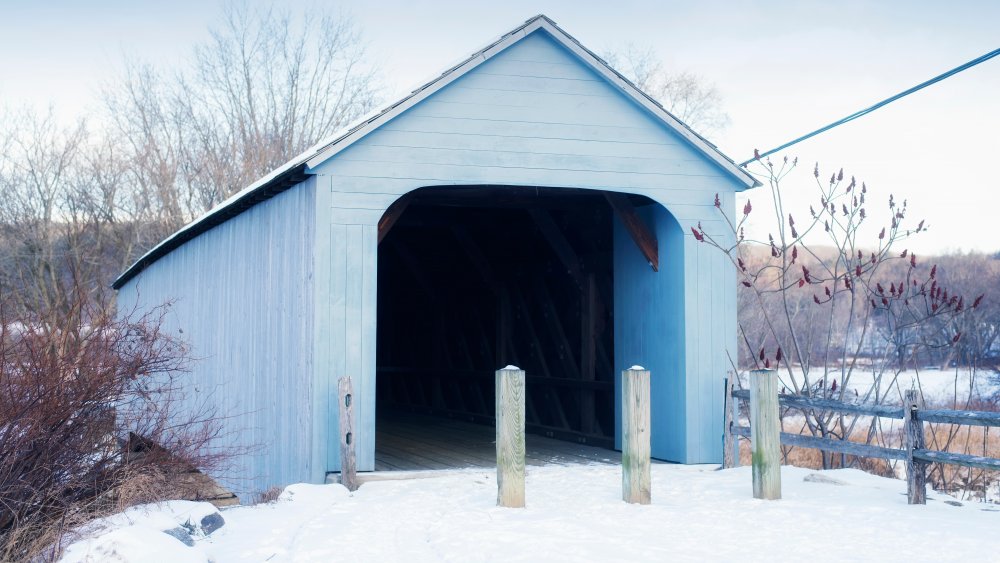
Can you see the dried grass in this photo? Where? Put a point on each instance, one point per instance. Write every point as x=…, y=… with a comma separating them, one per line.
x=268, y=496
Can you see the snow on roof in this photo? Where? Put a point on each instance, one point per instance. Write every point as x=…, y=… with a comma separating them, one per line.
x=297, y=169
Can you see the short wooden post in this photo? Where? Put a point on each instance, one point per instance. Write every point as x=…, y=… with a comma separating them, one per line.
x=635, y=436
x=765, y=434
x=730, y=453
x=916, y=470
x=510, y=437
x=348, y=463
x=735, y=408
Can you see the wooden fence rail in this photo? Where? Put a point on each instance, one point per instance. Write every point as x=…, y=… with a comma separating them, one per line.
x=914, y=453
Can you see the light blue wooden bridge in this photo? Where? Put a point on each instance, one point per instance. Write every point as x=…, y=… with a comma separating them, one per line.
x=528, y=205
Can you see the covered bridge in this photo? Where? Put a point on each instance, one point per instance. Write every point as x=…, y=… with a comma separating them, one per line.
x=528, y=206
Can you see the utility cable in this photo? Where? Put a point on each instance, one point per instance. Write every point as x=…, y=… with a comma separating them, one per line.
x=884, y=102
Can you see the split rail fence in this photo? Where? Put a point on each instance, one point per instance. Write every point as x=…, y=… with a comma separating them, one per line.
x=766, y=436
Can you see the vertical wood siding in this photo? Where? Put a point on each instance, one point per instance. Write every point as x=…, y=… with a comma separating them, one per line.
x=534, y=115
x=650, y=320
x=242, y=295
x=346, y=301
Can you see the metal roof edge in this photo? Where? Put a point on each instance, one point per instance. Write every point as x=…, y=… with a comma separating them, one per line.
x=281, y=179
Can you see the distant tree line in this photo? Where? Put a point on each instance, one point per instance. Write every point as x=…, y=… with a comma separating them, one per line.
x=966, y=276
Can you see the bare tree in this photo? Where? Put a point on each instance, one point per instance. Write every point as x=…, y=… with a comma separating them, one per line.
x=41, y=160
x=684, y=94
x=68, y=219
x=837, y=313
x=80, y=202
x=262, y=90
x=974, y=274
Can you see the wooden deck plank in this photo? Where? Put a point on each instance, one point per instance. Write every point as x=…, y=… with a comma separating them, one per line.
x=473, y=453
x=418, y=442
x=411, y=454
x=454, y=457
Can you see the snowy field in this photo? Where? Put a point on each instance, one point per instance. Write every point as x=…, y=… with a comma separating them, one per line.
x=573, y=514
x=938, y=386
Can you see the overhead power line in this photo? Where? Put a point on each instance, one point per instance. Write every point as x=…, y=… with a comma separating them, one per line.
x=886, y=101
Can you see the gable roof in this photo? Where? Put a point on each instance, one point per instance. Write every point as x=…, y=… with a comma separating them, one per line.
x=299, y=167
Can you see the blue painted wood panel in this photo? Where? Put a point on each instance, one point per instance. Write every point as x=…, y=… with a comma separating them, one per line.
x=650, y=321
x=242, y=294
x=710, y=340
x=346, y=302
x=503, y=124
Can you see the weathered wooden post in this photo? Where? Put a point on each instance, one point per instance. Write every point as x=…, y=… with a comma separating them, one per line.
x=916, y=470
x=730, y=445
x=635, y=435
x=765, y=434
x=348, y=463
x=510, y=437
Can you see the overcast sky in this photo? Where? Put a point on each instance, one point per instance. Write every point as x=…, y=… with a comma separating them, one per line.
x=783, y=68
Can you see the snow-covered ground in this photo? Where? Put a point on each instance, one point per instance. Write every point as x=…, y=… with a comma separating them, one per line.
x=574, y=513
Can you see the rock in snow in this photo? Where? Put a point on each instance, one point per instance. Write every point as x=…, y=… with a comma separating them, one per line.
x=574, y=513
x=181, y=533
x=211, y=523
x=821, y=478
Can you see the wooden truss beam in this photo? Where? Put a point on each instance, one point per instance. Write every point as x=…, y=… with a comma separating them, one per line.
x=476, y=256
x=561, y=246
x=392, y=215
x=644, y=238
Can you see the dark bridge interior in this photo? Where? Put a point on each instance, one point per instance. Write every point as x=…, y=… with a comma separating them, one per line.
x=475, y=278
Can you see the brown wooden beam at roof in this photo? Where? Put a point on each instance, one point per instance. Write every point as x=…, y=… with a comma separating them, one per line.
x=392, y=215
x=476, y=256
x=641, y=234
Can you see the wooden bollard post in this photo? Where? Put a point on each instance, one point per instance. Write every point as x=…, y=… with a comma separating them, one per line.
x=916, y=471
x=635, y=435
x=730, y=445
x=348, y=463
x=510, y=437
x=765, y=434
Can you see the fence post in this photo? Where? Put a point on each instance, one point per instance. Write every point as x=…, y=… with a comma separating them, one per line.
x=635, y=436
x=510, y=436
x=730, y=455
x=348, y=464
x=765, y=434
x=916, y=470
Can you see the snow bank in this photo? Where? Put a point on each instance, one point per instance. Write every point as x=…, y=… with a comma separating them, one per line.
x=150, y=532
x=574, y=513
x=133, y=543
